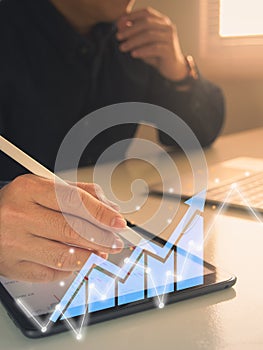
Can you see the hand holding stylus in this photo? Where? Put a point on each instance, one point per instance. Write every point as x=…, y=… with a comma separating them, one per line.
x=36, y=237
x=38, y=242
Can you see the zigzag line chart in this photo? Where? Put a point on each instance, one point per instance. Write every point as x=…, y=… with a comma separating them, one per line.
x=94, y=287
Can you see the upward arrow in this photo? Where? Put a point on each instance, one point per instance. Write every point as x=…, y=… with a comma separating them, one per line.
x=196, y=207
x=197, y=202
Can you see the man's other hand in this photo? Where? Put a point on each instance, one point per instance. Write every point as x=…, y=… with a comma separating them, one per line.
x=151, y=36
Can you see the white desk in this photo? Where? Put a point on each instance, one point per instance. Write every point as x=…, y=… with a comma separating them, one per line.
x=230, y=319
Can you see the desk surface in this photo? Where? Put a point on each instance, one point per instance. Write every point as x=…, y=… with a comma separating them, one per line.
x=230, y=319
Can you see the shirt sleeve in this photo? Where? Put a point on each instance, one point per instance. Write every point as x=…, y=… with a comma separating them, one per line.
x=202, y=107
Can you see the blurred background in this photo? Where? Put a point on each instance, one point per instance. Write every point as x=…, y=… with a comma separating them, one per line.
x=226, y=39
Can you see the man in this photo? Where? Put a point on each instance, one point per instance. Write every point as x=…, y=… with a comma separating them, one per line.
x=62, y=60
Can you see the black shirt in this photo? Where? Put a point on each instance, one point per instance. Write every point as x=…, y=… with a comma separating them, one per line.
x=51, y=77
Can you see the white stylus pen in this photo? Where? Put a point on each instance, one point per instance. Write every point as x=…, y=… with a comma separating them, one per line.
x=38, y=169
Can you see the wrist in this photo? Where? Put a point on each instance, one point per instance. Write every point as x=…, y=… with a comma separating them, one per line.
x=180, y=70
x=190, y=74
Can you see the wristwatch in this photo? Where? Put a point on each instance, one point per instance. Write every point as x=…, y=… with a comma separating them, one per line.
x=192, y=72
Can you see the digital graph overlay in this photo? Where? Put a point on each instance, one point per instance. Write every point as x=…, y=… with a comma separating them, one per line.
x=148, y=272
x=191, y=223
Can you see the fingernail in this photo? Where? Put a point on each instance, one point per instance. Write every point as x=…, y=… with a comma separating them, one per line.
x=118, y=222
x=118, y=244
x=129, y=24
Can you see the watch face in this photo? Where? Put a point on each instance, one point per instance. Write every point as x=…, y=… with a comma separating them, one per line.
x=193, y=71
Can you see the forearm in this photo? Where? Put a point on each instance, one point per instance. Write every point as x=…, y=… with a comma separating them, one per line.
x=202, y=107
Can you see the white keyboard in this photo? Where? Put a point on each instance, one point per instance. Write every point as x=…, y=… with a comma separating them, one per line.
x=251, y=188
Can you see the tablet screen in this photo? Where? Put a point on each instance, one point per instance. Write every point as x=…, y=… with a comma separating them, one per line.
x=143, y=276
x=103, y=287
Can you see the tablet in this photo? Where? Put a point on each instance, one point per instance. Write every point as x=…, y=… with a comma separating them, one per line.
x=128, y=282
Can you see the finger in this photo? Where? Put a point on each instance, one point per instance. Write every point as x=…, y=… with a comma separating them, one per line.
x=97, y=192
x=53, y=254
x=72, y=200
x=71, y=230
x=89, y=187
x=153, y=61
x=151, y=51
x=80, y=203
x=141, y=14
x=123, y=23
x=142, y=27
x=145, y=39
x=31, y=272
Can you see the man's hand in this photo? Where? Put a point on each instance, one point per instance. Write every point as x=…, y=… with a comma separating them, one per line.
x=149, y=35
x=38, y=243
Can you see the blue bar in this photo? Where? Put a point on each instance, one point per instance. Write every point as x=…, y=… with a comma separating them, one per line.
x=94, y=259
x=160, y=278
x=133, y=288
x=190, y=268
x=103, y=285
x=78, y=305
